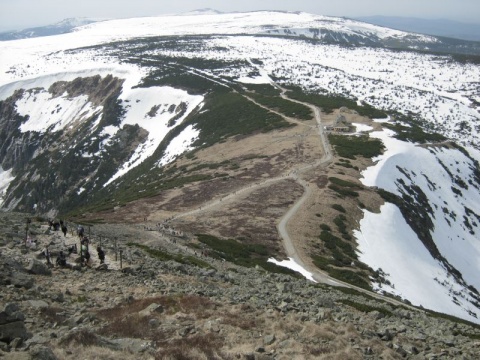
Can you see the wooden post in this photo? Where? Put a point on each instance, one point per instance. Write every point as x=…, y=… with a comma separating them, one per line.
x=81, y=254
x=26, y=233
x=121, y=251
x=116, y=259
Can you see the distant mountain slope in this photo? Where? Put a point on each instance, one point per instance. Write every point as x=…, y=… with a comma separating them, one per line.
x=447, y=28
x=62, y=27
x=97, y=118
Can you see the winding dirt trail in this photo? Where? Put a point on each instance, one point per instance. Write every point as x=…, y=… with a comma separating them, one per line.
x=294, y=174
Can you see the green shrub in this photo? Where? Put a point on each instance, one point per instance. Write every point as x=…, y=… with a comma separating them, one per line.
x=414, y=133
x=165, y=256
x=365, y=308
x=248, y=255
x=354, y=278
x=286, y=107
x=325, y=227
x=329, y=102
x=339, y=207
x=343, y=192
x=344, y=183
x=352, y=146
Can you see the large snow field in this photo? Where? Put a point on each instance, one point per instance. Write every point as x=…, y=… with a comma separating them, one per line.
x=436, y=88
x=17, y=56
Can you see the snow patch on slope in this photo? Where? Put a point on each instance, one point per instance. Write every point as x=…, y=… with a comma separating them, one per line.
x=152, y=109
x=180, y=144
x=293, y=265
x=386, y=242
x=5, y=179
x=53, y=113
x=451, y=186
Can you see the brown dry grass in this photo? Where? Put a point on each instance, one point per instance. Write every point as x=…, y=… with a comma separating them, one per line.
x=196, y=347
x=82, y=337
x=53, y=314
x=95, y=352
x=125, y=321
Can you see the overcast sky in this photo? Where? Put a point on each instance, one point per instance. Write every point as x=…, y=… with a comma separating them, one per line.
x=18, y=14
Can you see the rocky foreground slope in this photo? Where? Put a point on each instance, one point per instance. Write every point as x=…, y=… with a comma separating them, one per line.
x=194, y=307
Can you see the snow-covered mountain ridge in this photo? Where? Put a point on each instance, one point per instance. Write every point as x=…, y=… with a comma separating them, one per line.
x=62, y=27
x=108, y=106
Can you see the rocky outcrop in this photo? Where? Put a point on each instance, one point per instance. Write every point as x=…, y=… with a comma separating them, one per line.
x=50, y=166
x=12, y=325
x=37, y=267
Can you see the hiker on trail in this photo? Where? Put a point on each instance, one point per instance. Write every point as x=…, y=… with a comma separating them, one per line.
x=84, y=252
x=56, y=226
x=80, y=231
x=64, y=230
x=61, y=259
x=46, y=253
x=72, y=249
x=101, y=254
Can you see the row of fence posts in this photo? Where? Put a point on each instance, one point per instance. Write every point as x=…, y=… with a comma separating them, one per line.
x=116, y=248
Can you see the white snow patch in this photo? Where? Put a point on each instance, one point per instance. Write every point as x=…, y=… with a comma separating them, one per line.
x=387, y=119
x=54, y=113
x=392, y=148
x=293, y=265
x=263, y=78
x=362, y=127
x=179, y=145
x=5, y=179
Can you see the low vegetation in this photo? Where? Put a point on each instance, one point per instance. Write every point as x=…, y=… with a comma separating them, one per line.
x=286, y=107
x=241, y=254
x=365, y=308
x=351, y=146
x=414, y=133
x=165, y=256
x=328, y=103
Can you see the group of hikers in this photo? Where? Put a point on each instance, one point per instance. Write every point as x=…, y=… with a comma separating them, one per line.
x=61, y=260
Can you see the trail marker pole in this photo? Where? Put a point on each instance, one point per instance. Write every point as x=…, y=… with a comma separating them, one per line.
x=81, y=254
x=26, y=230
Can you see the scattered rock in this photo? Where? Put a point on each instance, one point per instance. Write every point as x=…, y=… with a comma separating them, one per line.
x=37, y=304
x=269, y=339
x=136, y=346
x=102, y=267
x=12, y=330
x=150, y=309
x=38, y=268
x=42, y=353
